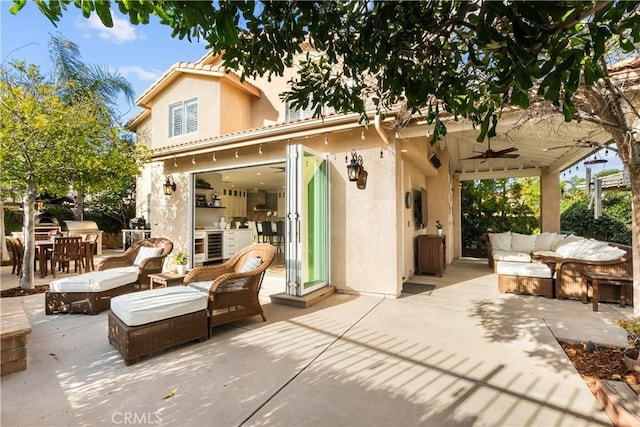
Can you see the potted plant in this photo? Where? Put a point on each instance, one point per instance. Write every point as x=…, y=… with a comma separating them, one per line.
x=181, y=262
x=438, y=228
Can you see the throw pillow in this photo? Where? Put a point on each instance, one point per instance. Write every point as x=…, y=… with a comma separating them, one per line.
x=251, y=264
x=146, y=252
x=500, y=241
x=523, y=242
x=544, y=241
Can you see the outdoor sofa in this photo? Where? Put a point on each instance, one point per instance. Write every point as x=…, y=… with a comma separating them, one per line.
x=90, y=293
x=567, y=258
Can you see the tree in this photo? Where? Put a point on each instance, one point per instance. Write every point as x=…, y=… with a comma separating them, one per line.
x=76, y=81
x=46, y=143
x=465, y=59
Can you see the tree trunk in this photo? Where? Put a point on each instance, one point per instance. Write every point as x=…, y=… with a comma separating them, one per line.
x=26, y=279
x=634, y=177
x=78, y=206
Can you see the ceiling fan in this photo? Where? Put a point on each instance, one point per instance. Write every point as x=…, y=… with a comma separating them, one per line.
x=490, y=154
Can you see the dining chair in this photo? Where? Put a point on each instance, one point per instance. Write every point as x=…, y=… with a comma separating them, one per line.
x=65, y=250
x=259, y=231
x=279, y=234
x=267, y=232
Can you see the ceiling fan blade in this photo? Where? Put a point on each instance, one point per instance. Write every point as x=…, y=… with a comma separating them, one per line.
x=509, y=156
x=557, y=147
x=479, y=156
x=505, y=151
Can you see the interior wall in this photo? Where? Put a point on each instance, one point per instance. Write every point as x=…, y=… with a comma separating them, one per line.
x=413, y=182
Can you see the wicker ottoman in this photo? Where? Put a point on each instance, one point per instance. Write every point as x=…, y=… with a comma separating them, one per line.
x=151, y=321
x=89, y=293
x=529, y=278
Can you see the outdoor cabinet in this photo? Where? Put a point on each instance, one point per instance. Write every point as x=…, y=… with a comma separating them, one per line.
x=431, y=250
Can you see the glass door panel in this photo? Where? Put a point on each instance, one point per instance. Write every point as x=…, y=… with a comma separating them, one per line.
x=307, y=221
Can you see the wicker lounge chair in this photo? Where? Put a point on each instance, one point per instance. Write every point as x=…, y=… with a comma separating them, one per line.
x=90, y=293
x=233, y=291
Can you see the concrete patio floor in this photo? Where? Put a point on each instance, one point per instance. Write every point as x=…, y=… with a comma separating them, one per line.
x=463, y=355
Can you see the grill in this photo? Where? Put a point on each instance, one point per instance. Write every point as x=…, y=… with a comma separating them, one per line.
x=84, y=227
x=44, y=223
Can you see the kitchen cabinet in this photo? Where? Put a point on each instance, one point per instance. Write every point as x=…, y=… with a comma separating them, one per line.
x=199, y=247
x=431, y=254
x=234, y=240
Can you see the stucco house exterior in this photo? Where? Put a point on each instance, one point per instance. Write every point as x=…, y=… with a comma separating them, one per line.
x=202, y=121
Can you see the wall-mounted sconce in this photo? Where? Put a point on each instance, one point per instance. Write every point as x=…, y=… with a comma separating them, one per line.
x=356, y=172
x=169, y=185
x=355, y=167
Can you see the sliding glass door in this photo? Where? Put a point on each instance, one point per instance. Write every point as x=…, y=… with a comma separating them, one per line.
x=307, y=221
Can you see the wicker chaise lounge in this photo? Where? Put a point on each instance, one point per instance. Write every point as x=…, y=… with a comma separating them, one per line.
x=234, y=285
x=90, y=293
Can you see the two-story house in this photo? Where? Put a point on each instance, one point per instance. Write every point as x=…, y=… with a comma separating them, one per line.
x=205, y=126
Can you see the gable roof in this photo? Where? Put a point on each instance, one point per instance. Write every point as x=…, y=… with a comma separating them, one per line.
x=209, y=65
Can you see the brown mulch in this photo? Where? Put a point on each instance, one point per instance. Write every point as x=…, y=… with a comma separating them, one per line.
x=19, y=292
x=603, y=363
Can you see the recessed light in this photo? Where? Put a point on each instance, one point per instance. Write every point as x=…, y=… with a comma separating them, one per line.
x=258, y=173
x=404, y=150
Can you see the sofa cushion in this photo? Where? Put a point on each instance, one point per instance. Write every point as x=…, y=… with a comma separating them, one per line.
x=544, y=241
x=511, y=256
x=96, y=281
x=149, y=306
x=146, y=252
x=523, y=242
x=529, y=269
x=500, y=241
x=590, y=250
x=567, y=239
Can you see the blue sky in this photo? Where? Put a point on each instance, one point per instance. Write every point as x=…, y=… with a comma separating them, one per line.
x=139, y=53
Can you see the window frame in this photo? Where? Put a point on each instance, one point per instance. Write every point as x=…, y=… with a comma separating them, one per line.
x=185, y=110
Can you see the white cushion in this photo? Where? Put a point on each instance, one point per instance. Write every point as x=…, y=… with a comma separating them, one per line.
x=530, y=269
x=557, y=241
x=544, y=241
x=523, y=242
x=201, y=286
x=150, y=306
x=511, y=256
x=251, y=264
x=500, y=241
x=146, y=252
x=591, y=250
x=96, y=281
x=569, y=239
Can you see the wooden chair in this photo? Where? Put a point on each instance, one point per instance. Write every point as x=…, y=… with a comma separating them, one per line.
x=267, y=232
x=65, y=250
x=234, y=286
x=11, y=249
x=279, y=237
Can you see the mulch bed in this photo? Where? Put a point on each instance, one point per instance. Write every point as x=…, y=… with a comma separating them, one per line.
x=603, y=362
x=19, y=292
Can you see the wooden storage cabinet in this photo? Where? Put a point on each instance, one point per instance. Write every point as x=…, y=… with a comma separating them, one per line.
x=431, y=254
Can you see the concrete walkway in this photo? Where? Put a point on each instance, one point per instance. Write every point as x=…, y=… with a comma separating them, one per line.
x=461, y=355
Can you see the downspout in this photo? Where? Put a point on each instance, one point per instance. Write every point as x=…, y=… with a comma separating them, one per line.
x=377, y=121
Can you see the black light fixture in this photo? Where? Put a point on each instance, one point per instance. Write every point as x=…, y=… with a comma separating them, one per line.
x=362, y=180
x=169, y=185
x=355, y=167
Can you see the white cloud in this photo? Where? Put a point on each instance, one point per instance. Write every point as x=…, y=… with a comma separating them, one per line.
x=121, y=32
x=139, y=72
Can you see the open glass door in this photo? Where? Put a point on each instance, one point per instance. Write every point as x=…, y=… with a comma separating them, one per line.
x=307, y=221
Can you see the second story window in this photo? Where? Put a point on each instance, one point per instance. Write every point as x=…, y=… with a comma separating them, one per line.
x=297, y=113
x=183, y=117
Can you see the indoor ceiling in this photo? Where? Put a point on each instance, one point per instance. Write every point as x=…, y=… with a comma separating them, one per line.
x=264, y=178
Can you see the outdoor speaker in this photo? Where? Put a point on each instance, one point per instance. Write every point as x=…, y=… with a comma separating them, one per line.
x=435, y=161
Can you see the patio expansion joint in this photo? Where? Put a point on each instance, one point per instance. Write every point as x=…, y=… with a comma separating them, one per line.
x=316, y=357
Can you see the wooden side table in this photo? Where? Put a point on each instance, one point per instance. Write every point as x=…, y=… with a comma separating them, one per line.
x=165, y=279
x=597, y=279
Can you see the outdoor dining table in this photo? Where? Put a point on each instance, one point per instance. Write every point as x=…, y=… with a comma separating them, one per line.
x=44, y=245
